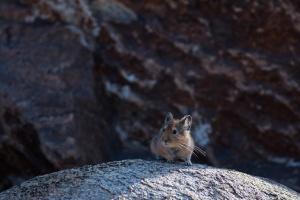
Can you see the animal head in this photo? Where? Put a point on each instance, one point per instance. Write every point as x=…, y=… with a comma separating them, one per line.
x=175, y=131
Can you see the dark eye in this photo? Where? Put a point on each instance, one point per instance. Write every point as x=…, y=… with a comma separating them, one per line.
x=163, y=130
x=174, y=131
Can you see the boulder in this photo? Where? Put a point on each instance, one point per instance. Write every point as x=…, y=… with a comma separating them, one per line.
x=139, y=179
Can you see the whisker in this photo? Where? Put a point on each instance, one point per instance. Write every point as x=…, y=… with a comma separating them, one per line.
x=181, y=145
x=186, y=147
x=197, y=148
x=191, y=150
x=200, y=151
x=195, y=155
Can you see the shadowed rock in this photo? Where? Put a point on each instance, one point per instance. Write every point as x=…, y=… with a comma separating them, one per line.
x=138, y=179
x=50, y=116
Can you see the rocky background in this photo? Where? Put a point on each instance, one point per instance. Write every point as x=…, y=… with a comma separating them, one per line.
x=85, y=82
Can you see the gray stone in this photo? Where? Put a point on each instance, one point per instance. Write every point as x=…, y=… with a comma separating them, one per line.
x=139, y=179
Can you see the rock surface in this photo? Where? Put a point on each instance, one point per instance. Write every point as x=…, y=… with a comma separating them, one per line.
x=233, y=66
x=51, y=115
x=138, y=179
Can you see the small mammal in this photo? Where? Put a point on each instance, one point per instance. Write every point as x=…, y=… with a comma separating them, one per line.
x=174, y=140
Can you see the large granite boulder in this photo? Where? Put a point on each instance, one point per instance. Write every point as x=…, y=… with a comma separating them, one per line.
x=138, y=179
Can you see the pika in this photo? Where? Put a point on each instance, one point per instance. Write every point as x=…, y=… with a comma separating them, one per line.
x=174, y=140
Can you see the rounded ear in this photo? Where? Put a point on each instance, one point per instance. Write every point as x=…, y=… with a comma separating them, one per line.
x=169, y=117
x=186, y=122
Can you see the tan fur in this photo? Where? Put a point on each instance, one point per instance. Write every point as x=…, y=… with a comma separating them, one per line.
x=174, y=146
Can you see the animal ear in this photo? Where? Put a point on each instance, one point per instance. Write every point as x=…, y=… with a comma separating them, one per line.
x=186, y=122
x=169, y=117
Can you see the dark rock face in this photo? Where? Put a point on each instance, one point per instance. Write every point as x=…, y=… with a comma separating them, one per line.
x=233, y=67
x=50, y=112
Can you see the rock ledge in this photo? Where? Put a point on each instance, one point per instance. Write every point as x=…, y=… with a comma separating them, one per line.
x=139, y=179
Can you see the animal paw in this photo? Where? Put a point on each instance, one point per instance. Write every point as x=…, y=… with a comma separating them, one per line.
x=188, y=163
x=170, y=161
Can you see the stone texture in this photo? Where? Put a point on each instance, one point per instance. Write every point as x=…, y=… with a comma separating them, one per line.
x=51, y=118
x=232, y=66
x=138, y=179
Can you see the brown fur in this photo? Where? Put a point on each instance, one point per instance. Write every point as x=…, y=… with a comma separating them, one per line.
x=176, y=146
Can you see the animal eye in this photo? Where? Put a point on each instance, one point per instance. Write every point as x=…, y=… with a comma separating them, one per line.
x=163, y=130
x=174, y=131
